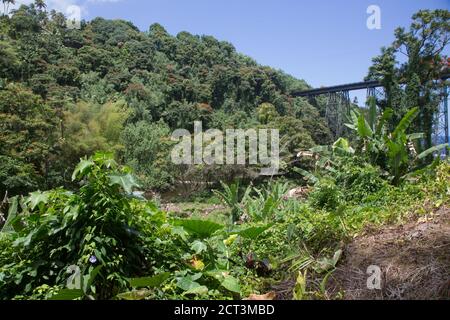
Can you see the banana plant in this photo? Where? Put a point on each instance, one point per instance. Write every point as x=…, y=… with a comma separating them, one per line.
x=263, y=207
x=393, y=151
x=232, y=197
x=369, y=131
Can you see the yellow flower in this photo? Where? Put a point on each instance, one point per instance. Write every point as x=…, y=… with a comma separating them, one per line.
x=197, y=264
x=230, y=240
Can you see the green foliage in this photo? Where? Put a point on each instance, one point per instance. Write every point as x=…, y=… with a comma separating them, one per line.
x=327, y=160
x=267, y=113
x=88, y=128
x=359, y=180
x=64, y=94
x=26, y=140
x=433, y=150
x=308, y=239
x=253, y=232
x=67, y=294
x=9, y=62
x=147, y=151
x=308, y=114
x=393, y=151
x=233, y=197
x=306, y=174
x=154, y=281
x=293, y=136
x=201, y=228
x=98, y=225
x=108, y=86
x=265, y=205
x=47, y=233
x=326, y=195
x=411, y=80
x=84, y=129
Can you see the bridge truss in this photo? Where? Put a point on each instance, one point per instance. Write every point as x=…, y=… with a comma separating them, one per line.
x=338, y=106
x=441, y=125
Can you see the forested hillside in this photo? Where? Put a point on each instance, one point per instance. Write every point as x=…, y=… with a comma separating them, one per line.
x=66, y=93
x=93, y=207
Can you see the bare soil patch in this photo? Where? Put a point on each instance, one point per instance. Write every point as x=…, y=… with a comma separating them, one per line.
x=414, y=259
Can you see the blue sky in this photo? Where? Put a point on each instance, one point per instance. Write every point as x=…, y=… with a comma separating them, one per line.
x=324, y=42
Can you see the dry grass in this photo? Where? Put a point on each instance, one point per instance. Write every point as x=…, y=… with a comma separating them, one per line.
x=414, y=259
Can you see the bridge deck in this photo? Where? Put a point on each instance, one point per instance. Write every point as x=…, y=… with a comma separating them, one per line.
x=346, y=87
x=339, y=88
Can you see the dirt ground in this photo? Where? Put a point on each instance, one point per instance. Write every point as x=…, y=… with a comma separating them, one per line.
x=414, y=260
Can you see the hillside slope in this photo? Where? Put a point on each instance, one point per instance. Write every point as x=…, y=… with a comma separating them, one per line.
x=414, y=259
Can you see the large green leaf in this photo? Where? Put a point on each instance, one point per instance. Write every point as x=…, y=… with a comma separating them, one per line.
x=432, y=150
x=198, y=246
x=342, y=145
x=231, y=283
x=135, y=294
x=202, y=228
x=82, y=168
x=88, y=279
x=308, y=175
x=405, y=122
x=127, y=182
x=12, y=214
x=153, y=281
x=397, y=158
x=415, y=136
x=36, y=198
x=372, y=116
x=354, y=114
x=198, y=290
x=226, y=280
x=394, y=150
x=189, y=283
x=68, y=294
x=385, y=117
x=253, y=232
x=364, y=129
x=106, y=159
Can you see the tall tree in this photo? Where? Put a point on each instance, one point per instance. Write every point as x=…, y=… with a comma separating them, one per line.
x=413, y=82
x=6, y=4
x=27, y=129
x=40, y=4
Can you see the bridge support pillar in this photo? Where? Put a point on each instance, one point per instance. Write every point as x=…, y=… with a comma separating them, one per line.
x=441, y=121
x=337, y=111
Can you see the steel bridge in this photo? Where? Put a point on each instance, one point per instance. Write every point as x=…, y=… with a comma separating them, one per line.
x=338, y=105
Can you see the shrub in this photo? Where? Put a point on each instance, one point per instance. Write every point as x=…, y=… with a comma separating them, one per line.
x=265, y=205
x=326, y=195
x=359, y=181
x=147, y=151
x=97, y=226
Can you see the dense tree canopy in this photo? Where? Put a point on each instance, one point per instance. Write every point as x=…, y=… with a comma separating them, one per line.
x=26, y=139
x=109, y=86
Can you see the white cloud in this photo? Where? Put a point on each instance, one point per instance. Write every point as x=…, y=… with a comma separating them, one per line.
x=64, y=5
x=58, y=5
